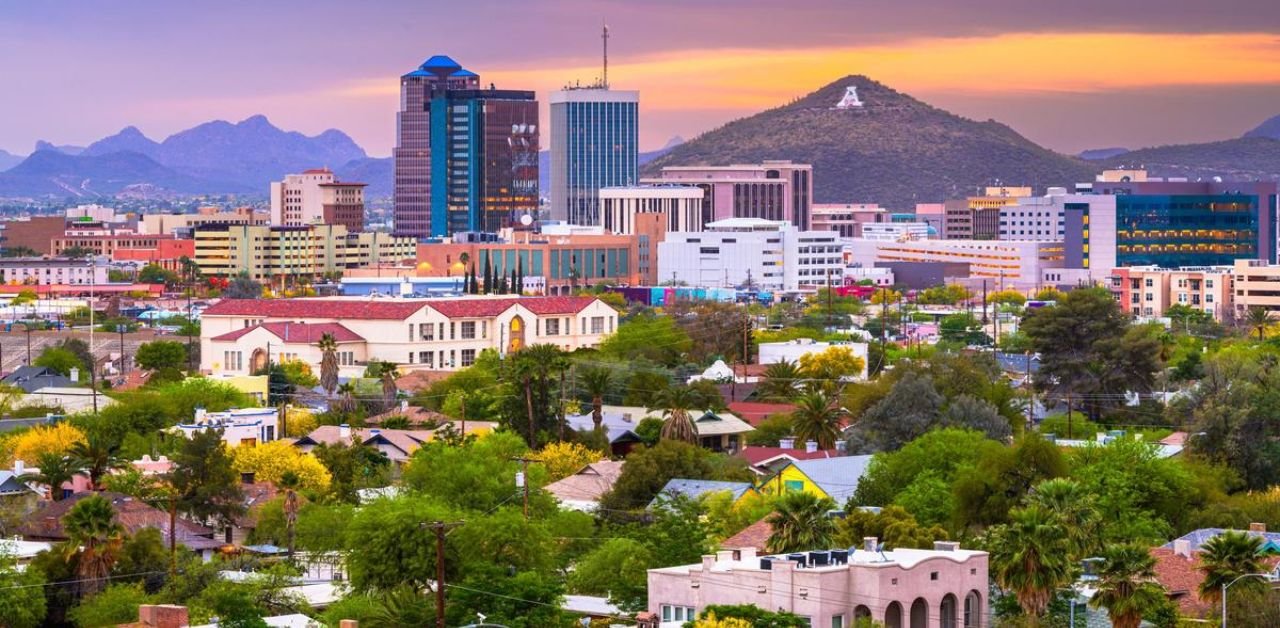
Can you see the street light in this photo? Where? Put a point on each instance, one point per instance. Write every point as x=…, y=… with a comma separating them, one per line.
x=1228, y=586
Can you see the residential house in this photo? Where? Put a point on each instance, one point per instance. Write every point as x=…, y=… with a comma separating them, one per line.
x=16, y=495
x=754, y=412
x=754, y=538
x=583, y=490
x=696, y=489
x=768, y=461
x=134, y=515
x=619, y=424
x=721, y=431
x=240, y=426
x=23, y=552
x=397, y=445
x=1162, y=449
x=836, y=478
x=1178, y=566
x=945, y=586
x=33, y=378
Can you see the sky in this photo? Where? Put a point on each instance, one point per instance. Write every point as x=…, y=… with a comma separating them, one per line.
x=1071, y=76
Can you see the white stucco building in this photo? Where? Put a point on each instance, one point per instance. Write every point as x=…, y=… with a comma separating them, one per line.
x=765, y=254
x=681, y=204
x=238, y=336
x=244, y=426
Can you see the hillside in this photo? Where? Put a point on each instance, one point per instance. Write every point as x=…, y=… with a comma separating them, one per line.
x=895, y=150
x=1270, y=128
x=129, y=139
x=9, y=160
x=1245, y=158
x=378, y=172
x=50, y=173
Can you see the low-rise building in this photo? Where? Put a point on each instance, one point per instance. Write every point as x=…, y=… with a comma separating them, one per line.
x=239, y=336
x=836, y=477
x=847, y=219
x=168, y=224
x=1012, y=264
x=1148, y=291
x=679, y=205
x=167, y=254
x=897, y=587
x=772, y=190
x=753, y=253
x=45, y=271
x=583, y=490
x=105, y=244
x=1257, y=285
x=240, y=426
x=896, y=231
x=302, y=253
x=397, y=445
x=565, y=262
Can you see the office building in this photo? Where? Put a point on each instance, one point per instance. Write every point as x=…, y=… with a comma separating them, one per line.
x=897, y=231
x=167, y=254
x=1257, y=284
x=1041, y=217
x=564, y=262
x=466, y=158
x=1011, y=264
x=846, y=219
x=1149, y=291
x=169, y=224
x=44, y=271
x=752, y=253
x=775, y=190
x=978, y=217
x=105, y=244
x=679, y=205
x=317, y=197
x=594, y=145
x=33, y=234
x=281, y=255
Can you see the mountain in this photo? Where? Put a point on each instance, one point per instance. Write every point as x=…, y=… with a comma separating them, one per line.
x=1096, y=154
x=1245, y=158
x=66, y=149
x=9, y=160
x=893, y=150
x=53, y=173
x=644, y=158
x=378, y=172
x=129, y=139
x=1269, y=129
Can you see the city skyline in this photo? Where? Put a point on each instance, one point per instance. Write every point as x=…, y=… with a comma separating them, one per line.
x=1214, y=71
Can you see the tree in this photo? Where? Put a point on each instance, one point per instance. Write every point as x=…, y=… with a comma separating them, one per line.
x=299, y=375
x=1029, y=558
x=987, y=491
x=93, y=538
x=1226, y=557
x=55, y=470
x=205, y=480
x=893, y=525
x=144, y=558
x=60, y=360
x=975, y=414
x=328, y=363
x=781, y=381
x=596, y=382
x=944, y=452
x=22, y=599
x=243, y=287
x=58, y=438
x=96, y=456
x=564, y=459
x=963, y=328
x=1076, y=510
x=1007, y=297
x=388, y=546
x=1258, y=319
x=270, y=462
x=828, y=368
x=523, y=600
x=160, y=355
x=800, y=523
x=617, y=568
x=648, y=469
x=948, y=294
x=535, y=408
x=817, y=418
x=649, y=337
x=352, y=467
x=115, y=605
x=771, y=430
x=675, y=404
x=152, y=273
x=912, y=407
x=1126, y=585
x=477, y=474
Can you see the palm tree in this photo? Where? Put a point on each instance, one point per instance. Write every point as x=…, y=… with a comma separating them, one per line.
x=675, y=403
x=54, y=471
x=328, y=362
x=1126, y=585
x=597, y=381
x=780, y=379
x=93, y=539
x=1029, y=558
x=816, y=418
x=531, y=369
x=1076, y=510
x=289, y=481
x=1226, y=557
x=96, y=457
x=389, y=375
x=347, y=402
x=800, y=523
x=1258, y=319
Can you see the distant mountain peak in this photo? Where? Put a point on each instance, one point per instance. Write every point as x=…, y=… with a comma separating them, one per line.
x=1270, y=128
x=256, y=121
x=675, y=141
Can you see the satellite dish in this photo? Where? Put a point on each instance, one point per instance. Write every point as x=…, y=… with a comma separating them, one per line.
x=526, y=220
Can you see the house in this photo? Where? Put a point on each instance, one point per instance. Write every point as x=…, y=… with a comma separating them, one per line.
x=33, y=378
x=619, y=424
x=754, y=537
x=945, y=586
x=1101, y=439
x=695, y=489
x=70, y=399
x=397, y=445
x=583, y=490
x=241, y=426
x=721, y=431
x=793, y=350
x=45, y=524
x=769, y=460
x=836, y=478
x=754, y=412
x=255, y=495
x=23, y=552
x=1178, y=566
x=16, y=495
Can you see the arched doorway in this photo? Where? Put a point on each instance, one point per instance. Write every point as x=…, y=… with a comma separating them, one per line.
x=919, y=613
x=893, y=615
x=948, y=611
x=258, y=361
x=516, y=335
x=861, y=612
x=973, y=610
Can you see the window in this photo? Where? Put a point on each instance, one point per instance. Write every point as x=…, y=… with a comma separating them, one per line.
x=837, y=621
x=469, y=330
x=553, y=327
x=933, y=575
x=597, y=324
x=427, y=331
x=410, y=332
x=468, y=357
x=678, y=613
x=794, y=485
x=424, y=357
x=453, y=330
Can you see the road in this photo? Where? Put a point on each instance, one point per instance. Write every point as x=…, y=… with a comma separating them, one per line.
x=13, y=344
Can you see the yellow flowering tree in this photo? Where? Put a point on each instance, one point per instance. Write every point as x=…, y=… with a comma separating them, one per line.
x=270, y=461
x=835, y=362
x=55, y=439
x=299, y=422
x=562, y=460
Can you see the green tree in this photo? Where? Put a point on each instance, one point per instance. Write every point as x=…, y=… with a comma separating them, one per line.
x=476, y=475
x=22, y=598
x=1145, y=497
x=54, y=471
x=1258, y=319
x=523, y=600
x=1029, y=558
x=1126, y=585
x=755, y=616
x=596, y=382
x=1077, y=512
x=800, y=523
x=328, y=363
x=618, y=568
x=817, y=418
x=942, y=451
x=912, y=407
x=352, y=467
x=963, y=328
x=161, y=355
x=243, y=287
x=117, y=604
x=144, y=558
x=388, y=546
x=987, y=491
x=205, y=479
x=650, y=337
x=1226, y=557
x=893, y=525
x=60, y=360
x=151, y=273
x=676, y=403
x=533, y=376
x=96, y=456
x=781, y=382
x=771, y=430
x=93, y=539
x=648, y=469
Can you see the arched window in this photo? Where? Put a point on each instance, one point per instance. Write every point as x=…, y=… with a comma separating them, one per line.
x=973, y=610
x=947, y=611
x=919, y=613
x=893, y=615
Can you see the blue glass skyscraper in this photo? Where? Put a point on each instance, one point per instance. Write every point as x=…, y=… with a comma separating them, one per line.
x=594, y=144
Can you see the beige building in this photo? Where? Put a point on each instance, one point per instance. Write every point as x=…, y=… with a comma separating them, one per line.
x=1257, y=284
x=1011, y=264
x=680, y=206
x=317, y=197
x=239, y=336
x=271, y=253
x=166, y=224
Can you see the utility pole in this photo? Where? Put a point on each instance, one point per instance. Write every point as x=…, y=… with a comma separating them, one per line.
x=440, y=528
x=463, y=400
x=120, y=328
x=522, y=481
x=562, y=401
x=1031, y=393
x=173, y=538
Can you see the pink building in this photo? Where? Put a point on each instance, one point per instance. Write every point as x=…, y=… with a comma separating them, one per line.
x=901, y=588
x=772, y=190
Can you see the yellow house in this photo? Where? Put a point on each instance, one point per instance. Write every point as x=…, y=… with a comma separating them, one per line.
x=742, y=492
x=836, y=478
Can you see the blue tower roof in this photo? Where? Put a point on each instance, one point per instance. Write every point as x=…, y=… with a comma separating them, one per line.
x=464, y=74
x=441, y=62
x=418, y=73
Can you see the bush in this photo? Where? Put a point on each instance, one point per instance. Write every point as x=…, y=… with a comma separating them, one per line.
x=115, y=605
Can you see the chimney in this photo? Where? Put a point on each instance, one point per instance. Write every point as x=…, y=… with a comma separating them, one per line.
x=348, y=623
x=945, y=546
x=810, y=446
x=708, y=561
x=1182, y=547
x=162, y=616
x=1257, y=527
x=344, y=431
x=19, y=467
x=747, y=554
x=787, y=443
x=246, y=477
x=869, y=543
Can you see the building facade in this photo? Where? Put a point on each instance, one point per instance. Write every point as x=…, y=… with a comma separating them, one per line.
x=238, y=337
x=679, y=205
x=595, y=144
x=1256, y=285
x=280, y=254
x=35, y=233
x=1149, y=291
x=896, y=231
x=170, y=224
x=167, y=254
x=106, y=244
x=42, y=271
x=753, y=253
x=565, y=262
x=771, y=190
x=1040, y=217
x=239, y=427
x=466, y=158
x=946, y=586
x=1010, y=263
x=846, y=219
x=317, y=197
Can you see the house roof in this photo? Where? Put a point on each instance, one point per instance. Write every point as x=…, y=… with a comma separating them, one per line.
x=11, y=484
x=299, y=333
x=33, y=378
x=1198, y=538
x=315, y=308
x=617, y=426
x=1180, y=576
x=693, y=489
x=407, y=441
x=837, y=477
x=763, y=455
x=481, y=308
x=715, y=424
x=1176, y=438
x=754, y=412
x=133, y=515
x=754, y=536
x=588, y=484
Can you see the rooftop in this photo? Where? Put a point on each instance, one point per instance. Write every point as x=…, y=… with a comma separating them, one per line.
x=834, y=559
x=304, y=333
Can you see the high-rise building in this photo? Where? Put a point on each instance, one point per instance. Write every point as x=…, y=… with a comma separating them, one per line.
x=771, y=190
x=317, y=197
x=594, y=144
x=466, y=158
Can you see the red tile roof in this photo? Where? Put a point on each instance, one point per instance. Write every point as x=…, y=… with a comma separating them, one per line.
x=1181, y=578
x=1176, y=438
x=315, y=308
x=756, y=455
x=754, y=412
x=478, y=308
x=755, y=536
x=133, y=515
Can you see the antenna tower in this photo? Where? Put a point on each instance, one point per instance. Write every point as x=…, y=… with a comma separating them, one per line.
x=604, y=36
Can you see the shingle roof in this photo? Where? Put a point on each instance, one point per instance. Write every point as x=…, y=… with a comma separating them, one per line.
x=132, y=514
x=693, y=489
x=715, y=424
x=1181, y=577
x=1198, y=538
x=754, y=412
x=754, y=536
x=315, y=308
x=837, y=477
x=302, y=333
x=756, y=455
x=588, y=484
